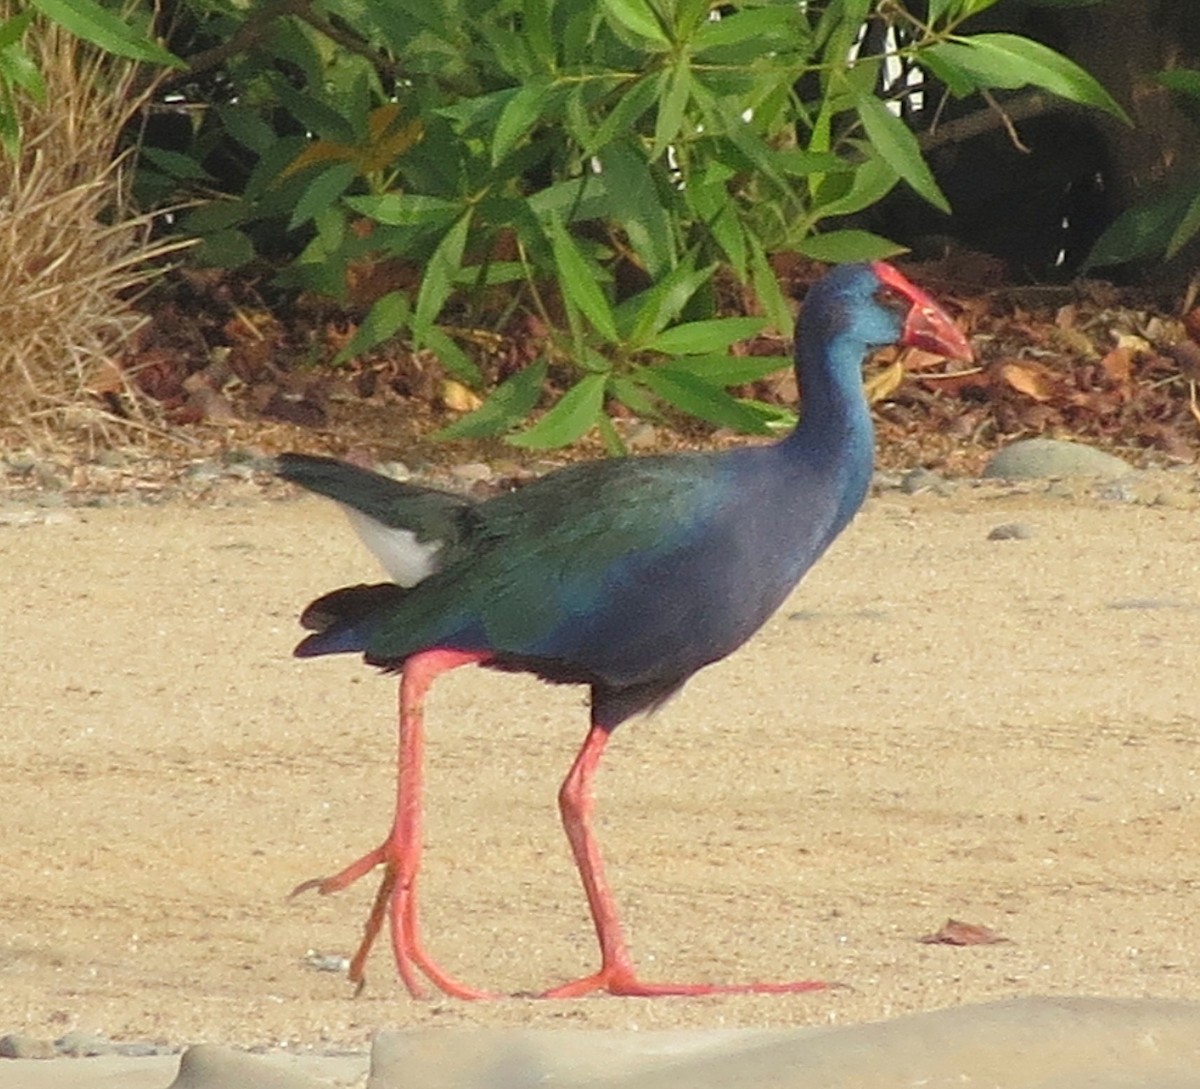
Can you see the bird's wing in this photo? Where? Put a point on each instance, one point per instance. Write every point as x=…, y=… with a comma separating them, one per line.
x=410, y=529
x=588, y=567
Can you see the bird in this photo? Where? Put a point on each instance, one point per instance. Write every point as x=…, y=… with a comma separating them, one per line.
x=625, y=574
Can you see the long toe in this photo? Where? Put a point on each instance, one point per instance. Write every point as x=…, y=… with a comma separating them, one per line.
x=625, y=982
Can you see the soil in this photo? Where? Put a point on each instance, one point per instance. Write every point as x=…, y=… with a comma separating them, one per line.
x=937, y=725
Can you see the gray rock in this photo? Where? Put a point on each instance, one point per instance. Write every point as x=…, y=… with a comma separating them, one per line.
x=18, y=1046
x=142, y=1050
x=1033, y=458
x=1037, y=1043
x=1011, y=531
x=78, y=1044
x=208, y=1066
x=498, y=1058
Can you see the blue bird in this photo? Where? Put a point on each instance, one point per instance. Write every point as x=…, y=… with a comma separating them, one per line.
x=627, y=575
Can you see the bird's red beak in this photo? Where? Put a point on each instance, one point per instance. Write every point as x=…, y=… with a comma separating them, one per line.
x=927, y=326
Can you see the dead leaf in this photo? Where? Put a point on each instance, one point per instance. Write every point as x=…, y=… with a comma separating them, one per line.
x=458, y=398
x=1191, y=323
x=885, y=383
x=956, y=932
x=1027, y=379
x=917, y=359
x=1118, y=365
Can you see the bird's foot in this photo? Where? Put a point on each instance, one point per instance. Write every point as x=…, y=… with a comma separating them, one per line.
x=621, y=979
x=395, y=902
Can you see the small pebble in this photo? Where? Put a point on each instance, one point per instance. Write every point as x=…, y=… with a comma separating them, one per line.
x=1011, y=531
x=923, y=480
x=472, y=472
x=641, y=436
x=326, y=962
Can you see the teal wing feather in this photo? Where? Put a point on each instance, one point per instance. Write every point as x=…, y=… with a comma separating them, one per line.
x=552, y=557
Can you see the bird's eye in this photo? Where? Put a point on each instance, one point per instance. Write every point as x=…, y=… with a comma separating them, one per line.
x=892, y=300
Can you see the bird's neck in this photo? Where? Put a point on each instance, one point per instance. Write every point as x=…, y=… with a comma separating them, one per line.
x=834, y=414
x=835, y=439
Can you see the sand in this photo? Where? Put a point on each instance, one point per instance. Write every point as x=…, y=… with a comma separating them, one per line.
x=936, y=725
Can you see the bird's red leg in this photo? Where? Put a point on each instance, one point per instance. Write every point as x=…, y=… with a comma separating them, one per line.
x=617, y=974
x=400, y=853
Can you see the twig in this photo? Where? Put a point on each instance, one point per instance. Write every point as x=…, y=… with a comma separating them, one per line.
x=1020, y=108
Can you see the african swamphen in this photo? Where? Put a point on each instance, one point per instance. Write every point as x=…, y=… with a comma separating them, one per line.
x=627, y=575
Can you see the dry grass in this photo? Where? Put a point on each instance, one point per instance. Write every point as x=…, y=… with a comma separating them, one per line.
x=74, y=251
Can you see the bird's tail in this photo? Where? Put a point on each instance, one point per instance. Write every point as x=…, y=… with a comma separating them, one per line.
x=342, y=620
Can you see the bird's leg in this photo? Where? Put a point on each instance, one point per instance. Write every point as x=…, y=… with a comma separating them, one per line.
x=617, y=974
x=400, y=853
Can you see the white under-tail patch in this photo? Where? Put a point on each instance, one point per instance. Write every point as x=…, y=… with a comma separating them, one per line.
x=403, y=557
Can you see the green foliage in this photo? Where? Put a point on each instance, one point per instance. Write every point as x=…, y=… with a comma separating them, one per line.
x=559, y=153
x=1164, y=223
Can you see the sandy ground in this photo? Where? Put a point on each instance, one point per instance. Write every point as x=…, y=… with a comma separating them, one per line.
x=936, y=725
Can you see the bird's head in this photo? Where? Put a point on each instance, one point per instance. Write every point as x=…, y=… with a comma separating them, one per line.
x=867, y=306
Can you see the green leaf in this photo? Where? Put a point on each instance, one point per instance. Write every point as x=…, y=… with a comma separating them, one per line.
x=452, y=357
x=698, y=337
x=1189, y=225
x=12, y=30
x=1146, y=228
x=386, y=317
x=19, y=69
x=628, y=111
x=731, y=370
x=636, y=205
x=174, y=163
x=519, y=115
x=748, y=33
x=577, y=411
x=671, y=109
x=89, y=21
x=246, y=125
x=633, y=397
x=766, y=287
x=1010, y=61
x=649, y=312
x=10, y=128
x=702, y=399
x=222, y=249
x=322, y=191
x=579, y=284
x=843, y=195
x=510, y=403
x=614, y=445
x=440, y=271
x=894, y=141
x=842, y=247
x=803, y=163
x=1184, y=80
x=638, y=18
x=407, y=209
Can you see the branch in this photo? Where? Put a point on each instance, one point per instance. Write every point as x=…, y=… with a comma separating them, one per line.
x=1020, y=108
x=255, y=29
